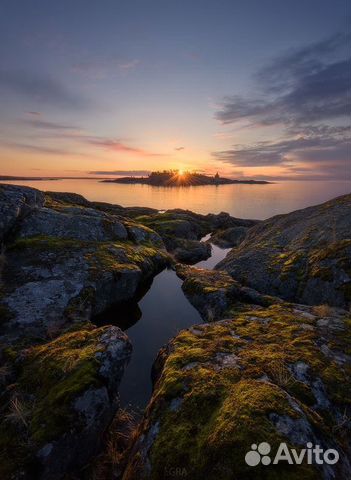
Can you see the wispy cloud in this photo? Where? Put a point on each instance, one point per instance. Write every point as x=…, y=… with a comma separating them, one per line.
x=46, y=125
x=40, y=89
x=178, y=149
x=118, y=146
x=36, y=148
x=305, y=93
x=46, y=129
x=104, y=68
x=33, y=114
x=137, y=173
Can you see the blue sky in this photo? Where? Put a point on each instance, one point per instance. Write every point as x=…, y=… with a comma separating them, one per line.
x=254, y=88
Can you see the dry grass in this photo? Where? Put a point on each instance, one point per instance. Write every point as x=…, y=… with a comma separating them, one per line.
x=18, y=412
x=322, y=310
x=280, y=373
x=118, y=441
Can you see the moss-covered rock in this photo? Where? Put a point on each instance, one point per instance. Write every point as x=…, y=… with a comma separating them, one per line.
x=303, y=256
x=68, y=261
x=214, y=293
x=277, y=374
x=64, y=395
x=182, y=230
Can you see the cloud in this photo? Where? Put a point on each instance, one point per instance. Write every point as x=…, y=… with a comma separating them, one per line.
x=315, y=148
x=304, y=93
x=33, y=114
x=137, y=173
x=128, y=65
x=40, y=88
x=36, y=148
x=101, y=69
x=179, y=148
x=118, y=146
x=62, y=131
x=46, y=125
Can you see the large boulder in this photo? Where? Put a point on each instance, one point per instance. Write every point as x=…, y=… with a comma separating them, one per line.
x=273, y=375
x=67, y=262
x=15, y=203
x=64, y=396
x=303, y=256
x=214, y=293
x=230, y=237
x=76, y=223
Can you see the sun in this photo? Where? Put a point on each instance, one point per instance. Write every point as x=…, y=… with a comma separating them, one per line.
x=180, y=173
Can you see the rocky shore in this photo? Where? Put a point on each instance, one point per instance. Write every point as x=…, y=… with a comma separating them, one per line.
x=271, y=362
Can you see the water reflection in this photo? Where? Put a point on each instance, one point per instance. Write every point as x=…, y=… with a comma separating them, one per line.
x=165, y=311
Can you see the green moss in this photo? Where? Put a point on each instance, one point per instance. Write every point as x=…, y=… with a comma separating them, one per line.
x=49, y=378
x=331, y=250
x=42, y=242
x=224, y=409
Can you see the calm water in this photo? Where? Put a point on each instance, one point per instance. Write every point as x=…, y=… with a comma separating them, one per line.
x=164, y=311
x=246, y=201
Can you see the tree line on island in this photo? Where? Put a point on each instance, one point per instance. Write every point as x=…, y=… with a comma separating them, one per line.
x=176, y=178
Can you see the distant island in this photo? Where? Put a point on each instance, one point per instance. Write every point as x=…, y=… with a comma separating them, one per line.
x=178, y=178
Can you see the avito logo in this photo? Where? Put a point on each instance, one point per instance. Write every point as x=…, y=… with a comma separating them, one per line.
x=260, y=454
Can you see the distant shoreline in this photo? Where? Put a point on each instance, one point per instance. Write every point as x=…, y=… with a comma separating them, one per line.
x=10, y=178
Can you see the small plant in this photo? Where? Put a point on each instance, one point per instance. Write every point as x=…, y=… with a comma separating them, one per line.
x=280, y=373
x=322, y=310
x=118, y=442
x=18, y=412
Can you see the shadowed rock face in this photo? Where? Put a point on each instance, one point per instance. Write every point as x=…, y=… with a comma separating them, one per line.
x=269, y=371
x=303, y=256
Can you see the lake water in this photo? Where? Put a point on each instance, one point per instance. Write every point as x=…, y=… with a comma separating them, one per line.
x=164, y=310
x=246, y=201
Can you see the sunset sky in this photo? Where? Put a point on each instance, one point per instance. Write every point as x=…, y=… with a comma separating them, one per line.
x=254, y=88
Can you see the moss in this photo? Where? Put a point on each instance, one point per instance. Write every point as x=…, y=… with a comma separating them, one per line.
x=123, y=256
x=331, y=250
x=49, y=378
x=224, y=409
x=45, y=242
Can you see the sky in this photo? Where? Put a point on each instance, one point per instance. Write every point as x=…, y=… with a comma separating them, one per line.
x=252, y=89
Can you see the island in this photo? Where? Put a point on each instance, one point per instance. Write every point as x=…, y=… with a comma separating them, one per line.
x=178, y=178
